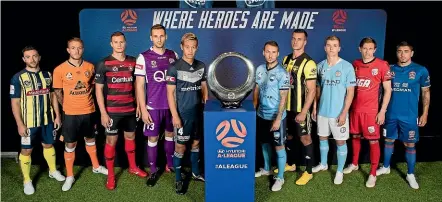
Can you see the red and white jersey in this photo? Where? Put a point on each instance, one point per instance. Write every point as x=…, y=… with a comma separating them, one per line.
x=369, y=78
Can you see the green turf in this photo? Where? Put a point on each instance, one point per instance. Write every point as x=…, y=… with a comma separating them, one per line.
x=90, y=187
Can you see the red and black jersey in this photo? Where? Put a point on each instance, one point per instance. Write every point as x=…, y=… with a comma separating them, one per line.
x=118, y=79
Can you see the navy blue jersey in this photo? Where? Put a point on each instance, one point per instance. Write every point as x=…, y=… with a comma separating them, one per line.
x=187, y=78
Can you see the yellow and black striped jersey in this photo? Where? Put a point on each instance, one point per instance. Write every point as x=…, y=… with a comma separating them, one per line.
x=301, y=69
x=34, y=90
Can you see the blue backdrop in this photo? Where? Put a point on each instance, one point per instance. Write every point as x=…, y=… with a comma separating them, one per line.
x=233, y=29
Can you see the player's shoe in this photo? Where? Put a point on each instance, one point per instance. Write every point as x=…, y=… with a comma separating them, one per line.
x=262, y=172
x=100, y=169
x=339, y=177
x=278, y=184
x=198, y=177
x=57, y=175
x=287, y=168
x=28, y=188
x=110, y=183
x=412, y=181
x=351, y=168
x=170, y=170
x=152, y=180
x=319, y=167
x=179, y=187
x=68, y=183
x=304, y=179
x=137, y=171
x=383, y=170
x=371, y=182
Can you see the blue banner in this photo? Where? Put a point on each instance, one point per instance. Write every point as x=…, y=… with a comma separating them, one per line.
x=229, y=155
x=241, y=30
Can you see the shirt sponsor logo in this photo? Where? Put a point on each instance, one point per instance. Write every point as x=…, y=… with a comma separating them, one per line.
x=122, y=79
x=191, y=88
x=43, y=91
x=159, y=76
x=363, y=83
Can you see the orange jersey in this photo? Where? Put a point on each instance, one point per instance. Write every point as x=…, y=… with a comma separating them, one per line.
x=77, y=84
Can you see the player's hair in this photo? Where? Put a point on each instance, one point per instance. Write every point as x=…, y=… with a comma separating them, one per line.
x=404, y=43
x=271, y=43
x=75, y=39
x=28, y=48
x=157, y=26
x=189, y=36
x=301, y=31
x=331, y=38
x=367, y=40
x=117, y=33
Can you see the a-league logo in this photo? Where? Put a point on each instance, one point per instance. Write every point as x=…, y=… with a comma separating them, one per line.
x=224, y=128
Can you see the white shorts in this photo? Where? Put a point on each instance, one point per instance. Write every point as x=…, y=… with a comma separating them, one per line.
x=327, y=125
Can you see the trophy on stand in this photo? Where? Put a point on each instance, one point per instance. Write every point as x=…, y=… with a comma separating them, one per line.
x=231, y=97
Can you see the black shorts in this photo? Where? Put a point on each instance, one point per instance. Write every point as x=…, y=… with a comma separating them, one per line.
x=127, y=123
x=266, y=136
x=300, y=129
x=78, y=125
x=191, y=128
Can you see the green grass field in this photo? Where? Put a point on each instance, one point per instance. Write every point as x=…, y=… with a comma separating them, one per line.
x=89, y=187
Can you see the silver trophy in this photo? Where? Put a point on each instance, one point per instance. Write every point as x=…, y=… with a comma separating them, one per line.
x=231, y=97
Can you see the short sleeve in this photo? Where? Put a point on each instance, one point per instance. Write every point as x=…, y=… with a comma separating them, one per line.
x=385, y=74
x=171, y=75
x=425, y=78
x=100, y=73
x=15, y=87
x=310, y=70
x=350, y=79
x=57, y=79
x=284, y=81
x=140, y=66
x=204, y=78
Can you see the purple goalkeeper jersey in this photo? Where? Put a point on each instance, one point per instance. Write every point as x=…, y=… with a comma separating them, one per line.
x=153, y=67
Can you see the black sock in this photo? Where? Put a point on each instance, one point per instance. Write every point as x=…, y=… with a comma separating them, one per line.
x=309, y=157
x=289, y=145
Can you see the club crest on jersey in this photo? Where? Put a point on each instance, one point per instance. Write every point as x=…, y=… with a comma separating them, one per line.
x=48, y=81
x=392, y=74
x=412, y=75
x=69, y=76
x=131, y=68
x=338, y=73
x=115, y=69
x=171, y=60
x=153, y=63
x=371, y=129
x=374, y=72
x=87, y=74
x=272, y=77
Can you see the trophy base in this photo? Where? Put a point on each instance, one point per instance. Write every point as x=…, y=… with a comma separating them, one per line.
x=230, y=105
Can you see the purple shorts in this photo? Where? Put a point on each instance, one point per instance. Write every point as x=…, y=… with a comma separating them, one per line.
x=161, y=120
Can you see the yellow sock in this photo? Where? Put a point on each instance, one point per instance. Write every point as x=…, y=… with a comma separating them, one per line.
x=25, y=165
x=49, y=154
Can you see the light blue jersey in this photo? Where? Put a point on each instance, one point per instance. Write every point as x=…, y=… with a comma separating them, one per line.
x=333, y=82
x=270, y=82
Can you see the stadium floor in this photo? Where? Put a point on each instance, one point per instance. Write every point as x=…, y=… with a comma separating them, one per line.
x=89, y=186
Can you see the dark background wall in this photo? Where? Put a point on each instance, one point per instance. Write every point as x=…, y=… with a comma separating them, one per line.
x=48, y=25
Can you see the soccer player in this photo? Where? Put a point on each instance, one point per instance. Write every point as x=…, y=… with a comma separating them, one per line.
x=151, y=69
x=269, y=97
x=73, y=84
x=365, y=115
x=186, y=93
x=115, y=74
x=335, y=91
x=402, y=120
x=33, y=104
x=302, y=70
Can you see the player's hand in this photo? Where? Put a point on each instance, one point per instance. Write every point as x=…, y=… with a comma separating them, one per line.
x=341, y=119
x=176, y=121
x=22, y=130
x=105, y=120
x=205, y=98
x=57, y=123
x=300, y=118
x=276, y=124
x=380, y=118
x=422, y=120
x=314, y=115
x=138, y=113
x=147, y=119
